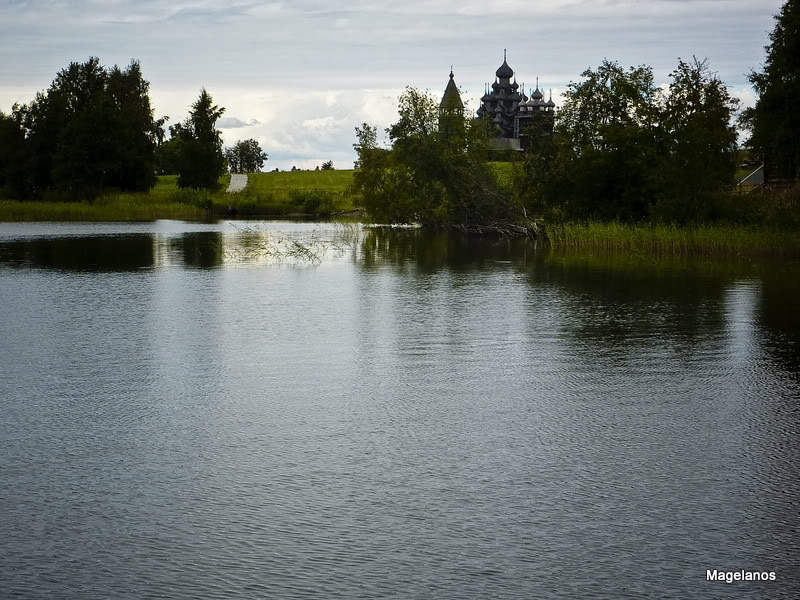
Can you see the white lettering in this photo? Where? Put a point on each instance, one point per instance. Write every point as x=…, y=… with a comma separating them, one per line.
x=742, y=575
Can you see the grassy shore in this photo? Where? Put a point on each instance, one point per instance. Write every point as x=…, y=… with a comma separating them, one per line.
x=295, y=193
x=323, y=193
x=689, y=240
x=300, y=193
x=116, y=207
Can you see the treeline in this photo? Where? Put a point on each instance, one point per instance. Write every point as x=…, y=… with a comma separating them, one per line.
x=622, y=149
x=626, y=149
x=93, y=132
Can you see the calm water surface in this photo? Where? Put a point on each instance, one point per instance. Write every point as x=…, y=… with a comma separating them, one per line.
x=288, y=410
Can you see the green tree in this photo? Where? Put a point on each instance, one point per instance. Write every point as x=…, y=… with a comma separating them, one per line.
x=429, y=176
x=131, y=163
x=245, y=156
x=604, y=142
x=327, y=165
x=775, y=120
x=697, y=143
x=201, y=161
x=168, y=156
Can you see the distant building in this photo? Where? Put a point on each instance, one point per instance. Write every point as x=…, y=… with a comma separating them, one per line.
x=451, y=100
x=513, y=114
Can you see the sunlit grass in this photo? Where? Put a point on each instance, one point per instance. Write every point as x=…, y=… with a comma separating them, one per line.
x=118, y=207
x=292, y=193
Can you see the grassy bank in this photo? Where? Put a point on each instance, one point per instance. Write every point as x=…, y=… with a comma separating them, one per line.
x=117, y=207
x=690, y=240
x=310, y=193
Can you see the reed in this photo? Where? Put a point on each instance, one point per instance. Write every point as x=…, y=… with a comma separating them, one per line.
x=687, y=240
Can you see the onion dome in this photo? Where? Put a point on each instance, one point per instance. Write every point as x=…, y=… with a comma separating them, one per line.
x=515, y=85
x=504, y=71
x=550, y=103
x=495, y=85
x=451, y=98
x=537, y=95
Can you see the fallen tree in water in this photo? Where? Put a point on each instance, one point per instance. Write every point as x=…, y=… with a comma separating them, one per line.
x=533, y=229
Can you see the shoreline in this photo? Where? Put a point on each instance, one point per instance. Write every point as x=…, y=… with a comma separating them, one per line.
x=595, y=238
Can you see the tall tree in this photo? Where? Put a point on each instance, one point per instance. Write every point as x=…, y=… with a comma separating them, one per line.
x=775, y=119
x=698, y=152
x=201, y=161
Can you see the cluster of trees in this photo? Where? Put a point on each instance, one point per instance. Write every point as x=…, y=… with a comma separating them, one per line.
x=245, y=156
x=93, y=131
x=624, y=148
x=436, y=173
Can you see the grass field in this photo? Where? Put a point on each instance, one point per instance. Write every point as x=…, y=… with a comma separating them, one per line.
x=317, y=193
x=281, y=184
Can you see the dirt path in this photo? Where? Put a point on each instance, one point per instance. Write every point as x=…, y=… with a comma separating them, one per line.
x=238, y=183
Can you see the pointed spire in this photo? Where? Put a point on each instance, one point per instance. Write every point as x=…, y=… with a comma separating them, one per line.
x=451, y=71
x=504, y=54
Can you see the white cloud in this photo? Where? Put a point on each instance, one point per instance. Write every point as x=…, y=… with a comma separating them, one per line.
x=234, y=123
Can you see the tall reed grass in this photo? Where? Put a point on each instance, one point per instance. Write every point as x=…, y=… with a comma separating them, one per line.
x=687, y=240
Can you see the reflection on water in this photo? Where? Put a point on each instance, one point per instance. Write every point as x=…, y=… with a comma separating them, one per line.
x=187, y=414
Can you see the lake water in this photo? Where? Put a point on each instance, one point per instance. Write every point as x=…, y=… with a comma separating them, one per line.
x=290, y=410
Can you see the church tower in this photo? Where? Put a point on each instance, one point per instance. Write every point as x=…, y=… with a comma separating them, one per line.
x=500, y=105
x=451, y=108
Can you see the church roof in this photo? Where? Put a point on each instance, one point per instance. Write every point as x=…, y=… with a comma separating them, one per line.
x=451, y=97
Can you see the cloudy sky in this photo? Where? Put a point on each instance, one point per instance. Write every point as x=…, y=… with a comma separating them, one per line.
x=299, y=76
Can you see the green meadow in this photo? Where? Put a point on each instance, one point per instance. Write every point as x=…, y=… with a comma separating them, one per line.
x=292, y=193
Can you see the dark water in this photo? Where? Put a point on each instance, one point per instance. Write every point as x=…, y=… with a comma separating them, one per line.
x=192, y=411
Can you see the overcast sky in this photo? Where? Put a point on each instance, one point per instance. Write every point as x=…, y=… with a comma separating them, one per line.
x=299, y=76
